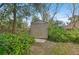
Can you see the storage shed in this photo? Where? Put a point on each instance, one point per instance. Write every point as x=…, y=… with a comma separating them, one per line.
x=39, y=29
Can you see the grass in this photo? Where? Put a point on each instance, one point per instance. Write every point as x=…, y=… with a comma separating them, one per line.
x=52, y=48
x=62, y=49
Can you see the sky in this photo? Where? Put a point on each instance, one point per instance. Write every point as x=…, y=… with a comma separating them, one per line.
x=64, y=10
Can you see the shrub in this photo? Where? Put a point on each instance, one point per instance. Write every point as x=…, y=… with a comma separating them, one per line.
x=19, y=43
x=58, y=34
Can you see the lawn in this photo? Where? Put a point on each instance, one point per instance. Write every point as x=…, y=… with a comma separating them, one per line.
x=55, y=48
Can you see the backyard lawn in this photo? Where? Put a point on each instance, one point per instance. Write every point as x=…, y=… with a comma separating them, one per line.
x=53, y=48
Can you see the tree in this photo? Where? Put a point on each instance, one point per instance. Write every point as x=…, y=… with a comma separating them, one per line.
x=74, y=17
x=42, y=10
x=46, y=11
x=1, y=5
x=55, y=10
x=12, y=12
x=35, y=18
x=14, y=16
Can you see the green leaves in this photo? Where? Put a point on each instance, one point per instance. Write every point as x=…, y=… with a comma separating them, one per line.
x=15, y=43
x=59, y=34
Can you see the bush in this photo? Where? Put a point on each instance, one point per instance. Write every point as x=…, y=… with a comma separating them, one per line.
x=58, y=34
x=75, y=35
x=19, y=43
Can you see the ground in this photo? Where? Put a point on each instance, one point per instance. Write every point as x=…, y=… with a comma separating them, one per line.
x=54, y=48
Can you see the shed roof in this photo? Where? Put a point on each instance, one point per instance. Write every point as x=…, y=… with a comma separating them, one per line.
x=39, y=21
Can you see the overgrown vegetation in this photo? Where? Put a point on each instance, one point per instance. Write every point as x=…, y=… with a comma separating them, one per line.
x=19, y=43
x=59, y=34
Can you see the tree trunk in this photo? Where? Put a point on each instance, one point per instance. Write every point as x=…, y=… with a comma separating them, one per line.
x=14, y=16
x=73, y=14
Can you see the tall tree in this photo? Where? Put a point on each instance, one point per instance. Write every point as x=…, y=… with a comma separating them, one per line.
x=42, y=10
x=74, y=17
x=12, y=12
x=1, y=5
x=47, y=11
x=14, y=16
x=55, y=10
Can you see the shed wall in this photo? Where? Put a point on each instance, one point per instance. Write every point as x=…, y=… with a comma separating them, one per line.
x=39, y=30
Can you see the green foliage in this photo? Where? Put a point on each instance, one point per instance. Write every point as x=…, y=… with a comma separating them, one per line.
x=73, y=35
x=19, y=43
x=59, y=34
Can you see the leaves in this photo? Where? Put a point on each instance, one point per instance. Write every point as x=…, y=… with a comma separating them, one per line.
x=15, y=43
x=58, y=34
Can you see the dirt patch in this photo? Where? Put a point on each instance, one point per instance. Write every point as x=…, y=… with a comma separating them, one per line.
x=52, y=48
